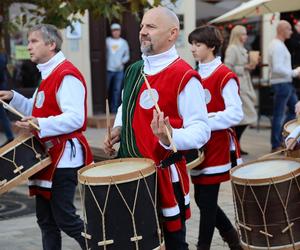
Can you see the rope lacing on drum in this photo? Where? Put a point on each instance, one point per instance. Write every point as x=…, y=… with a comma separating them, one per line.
x=32, y=147
x=285, y=204
x=17, y=168
x=241, y=200
x=105, y=241
x=154, y=204
x=84, y=234
x=263, y=211
x=135, y=237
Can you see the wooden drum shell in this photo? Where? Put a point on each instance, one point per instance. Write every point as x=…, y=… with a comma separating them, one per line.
x=268, y=209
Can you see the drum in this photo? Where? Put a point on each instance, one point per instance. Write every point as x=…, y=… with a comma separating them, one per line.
x=119, y=199
x=194, y=158
x=20, y=159
x=287, y=129
x=267, y=203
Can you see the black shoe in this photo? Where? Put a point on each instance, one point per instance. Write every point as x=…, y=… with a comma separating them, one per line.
x=6, y=142
x=244, y=152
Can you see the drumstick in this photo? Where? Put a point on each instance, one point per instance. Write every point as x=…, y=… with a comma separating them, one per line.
x=159, y=111
x=16, y=112
x=281, y=150
x=274, y=153
x=108, y=120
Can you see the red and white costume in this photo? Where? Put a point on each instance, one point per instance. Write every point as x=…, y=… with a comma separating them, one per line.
x=60, y=106
x=225, y=111
x=170, y=78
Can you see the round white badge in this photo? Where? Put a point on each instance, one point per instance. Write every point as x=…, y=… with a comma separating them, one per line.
x=146, y=100
x=207, y=96
x=40, y=98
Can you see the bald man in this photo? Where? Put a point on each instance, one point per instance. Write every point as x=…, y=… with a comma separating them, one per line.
x=141, y=130
x=281, y=74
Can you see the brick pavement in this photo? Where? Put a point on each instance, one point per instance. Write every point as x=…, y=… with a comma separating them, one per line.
x=22, y=233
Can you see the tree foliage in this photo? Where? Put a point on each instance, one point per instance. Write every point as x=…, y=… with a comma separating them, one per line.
x=62, y=13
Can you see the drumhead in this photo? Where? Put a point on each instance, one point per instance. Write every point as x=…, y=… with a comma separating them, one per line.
x=266, y=169
x=119, y=170
x=291, y=125
x=115, y=168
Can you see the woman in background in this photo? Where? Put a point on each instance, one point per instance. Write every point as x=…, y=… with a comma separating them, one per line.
x=236, y=58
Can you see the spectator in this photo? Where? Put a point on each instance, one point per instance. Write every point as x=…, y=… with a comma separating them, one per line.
x=236, y=58
x=281, y=74
x=117, y=54
x=5, y=122
x=293, y=44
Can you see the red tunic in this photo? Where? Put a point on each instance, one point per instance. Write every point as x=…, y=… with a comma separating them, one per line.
x=215, y=167
x=168, y=83
x=46, y=105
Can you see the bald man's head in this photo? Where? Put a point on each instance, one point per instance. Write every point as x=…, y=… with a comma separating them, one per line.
x=284, y=30
x=159, y=30
x=169, y=17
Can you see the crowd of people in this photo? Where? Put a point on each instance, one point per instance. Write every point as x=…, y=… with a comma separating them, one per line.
x=208, y=107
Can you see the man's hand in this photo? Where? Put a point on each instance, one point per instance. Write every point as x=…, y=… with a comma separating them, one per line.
x=6, y=95
x=159, y=126
x=298, y=71
x=25, y=124
x=250, y=66
x=109, y=142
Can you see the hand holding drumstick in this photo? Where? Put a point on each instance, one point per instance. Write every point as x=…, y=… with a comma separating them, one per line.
x=112, y=136
x=28, y=123
x=160, y=125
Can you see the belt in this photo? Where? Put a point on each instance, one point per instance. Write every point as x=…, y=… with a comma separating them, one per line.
x=51, y=143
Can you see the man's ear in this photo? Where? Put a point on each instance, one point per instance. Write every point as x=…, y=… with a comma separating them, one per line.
x=52, y=46
x=174, y=34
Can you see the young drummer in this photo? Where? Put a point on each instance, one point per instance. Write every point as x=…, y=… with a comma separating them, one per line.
x=225, y=111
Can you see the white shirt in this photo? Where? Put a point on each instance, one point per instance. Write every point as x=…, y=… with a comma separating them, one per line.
x=191, y=104
x=233, y=112
x=70, y=98
x=280, y=63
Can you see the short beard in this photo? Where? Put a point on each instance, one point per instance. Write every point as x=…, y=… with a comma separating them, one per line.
x=147, y=50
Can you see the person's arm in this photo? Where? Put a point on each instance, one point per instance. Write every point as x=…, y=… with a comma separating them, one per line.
x=289, y=141
x=278, y=62
x=195, y=131
x=71, y=100
x=22, y=104
x=118, y=117
x=233, y=112
x=126, y=55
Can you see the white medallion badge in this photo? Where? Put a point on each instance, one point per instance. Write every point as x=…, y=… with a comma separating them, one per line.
x=40, y=98
x=146, y=100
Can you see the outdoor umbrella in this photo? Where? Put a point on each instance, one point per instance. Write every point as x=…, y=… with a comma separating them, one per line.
x=258, y=7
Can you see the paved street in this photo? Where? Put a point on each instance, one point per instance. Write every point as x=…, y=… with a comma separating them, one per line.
x=22, y=233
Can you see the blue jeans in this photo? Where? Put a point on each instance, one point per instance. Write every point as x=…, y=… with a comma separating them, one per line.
x=59, y=213
x=114, y=88
x=284, y=97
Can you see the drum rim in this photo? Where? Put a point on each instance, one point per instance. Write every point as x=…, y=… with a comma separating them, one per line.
x=122, y=178
x=25, y=175
x=16, y=142
x=281, y=247
x=280, y=178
